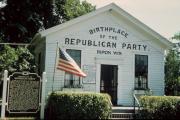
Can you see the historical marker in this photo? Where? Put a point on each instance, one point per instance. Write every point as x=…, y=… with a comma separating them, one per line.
x=24, y=93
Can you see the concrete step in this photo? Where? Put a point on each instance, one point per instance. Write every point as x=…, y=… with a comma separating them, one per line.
x=124, y=109
x=123, y=113
x=122, y=116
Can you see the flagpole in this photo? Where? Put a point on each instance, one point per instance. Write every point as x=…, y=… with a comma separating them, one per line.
x=54, y=67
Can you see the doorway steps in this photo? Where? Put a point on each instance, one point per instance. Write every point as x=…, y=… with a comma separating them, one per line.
x=123, y=113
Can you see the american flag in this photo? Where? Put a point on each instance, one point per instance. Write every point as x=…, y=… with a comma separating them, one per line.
x=67, y=64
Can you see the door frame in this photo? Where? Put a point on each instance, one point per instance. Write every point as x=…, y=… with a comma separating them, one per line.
x=110, y=85
x=108, y=61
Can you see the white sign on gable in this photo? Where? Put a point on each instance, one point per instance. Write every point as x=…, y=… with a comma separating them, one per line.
x=104, y=37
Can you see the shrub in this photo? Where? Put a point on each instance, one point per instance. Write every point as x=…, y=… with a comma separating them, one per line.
x=71, y=105
x=160, y=107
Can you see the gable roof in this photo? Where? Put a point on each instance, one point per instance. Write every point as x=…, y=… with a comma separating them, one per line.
x=118, y=10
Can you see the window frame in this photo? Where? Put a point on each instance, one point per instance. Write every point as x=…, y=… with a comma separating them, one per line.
x=141, y=83
x=76, y=81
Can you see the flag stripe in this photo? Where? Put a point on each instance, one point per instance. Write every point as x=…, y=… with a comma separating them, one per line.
x=67, y=66
x=66, y=63
x=72, y=72
x=73, y=65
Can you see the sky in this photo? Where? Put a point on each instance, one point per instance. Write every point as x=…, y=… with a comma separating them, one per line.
x=163, y=16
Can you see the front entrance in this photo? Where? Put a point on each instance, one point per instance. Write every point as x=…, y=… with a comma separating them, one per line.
x=108, y=83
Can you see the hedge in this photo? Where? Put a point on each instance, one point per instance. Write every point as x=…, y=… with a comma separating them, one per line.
x=73, y=105
x=160, y=107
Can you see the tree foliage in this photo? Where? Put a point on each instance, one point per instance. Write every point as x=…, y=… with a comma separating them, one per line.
x=172, y=70
x=69, y=9
x=16, y=59
x=20, y=20
x=172, y=73
x=176, y=36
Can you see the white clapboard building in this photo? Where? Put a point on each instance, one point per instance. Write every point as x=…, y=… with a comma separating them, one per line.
x=118, y=53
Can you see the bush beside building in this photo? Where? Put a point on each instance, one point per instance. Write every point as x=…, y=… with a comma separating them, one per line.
x=69, y=105
x=160, y=107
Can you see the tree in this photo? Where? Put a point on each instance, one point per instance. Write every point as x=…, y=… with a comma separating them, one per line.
x=7, y=57
x=172, y=70
x=176, y=36
x=69, y=9
x=16, y=59
x=20, y=20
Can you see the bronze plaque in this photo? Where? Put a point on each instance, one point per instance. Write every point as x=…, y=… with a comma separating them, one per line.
x=24, y=93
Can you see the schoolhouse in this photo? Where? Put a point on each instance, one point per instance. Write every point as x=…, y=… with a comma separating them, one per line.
x=118, y=53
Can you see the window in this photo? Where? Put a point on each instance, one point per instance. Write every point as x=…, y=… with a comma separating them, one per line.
x=141, y=72
x=73, y=81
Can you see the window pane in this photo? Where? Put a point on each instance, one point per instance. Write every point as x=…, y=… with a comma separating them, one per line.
x=76, y=55
x=141, y=71
x=70, y=79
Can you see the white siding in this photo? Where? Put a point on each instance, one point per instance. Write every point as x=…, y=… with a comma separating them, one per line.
x=156, y=73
